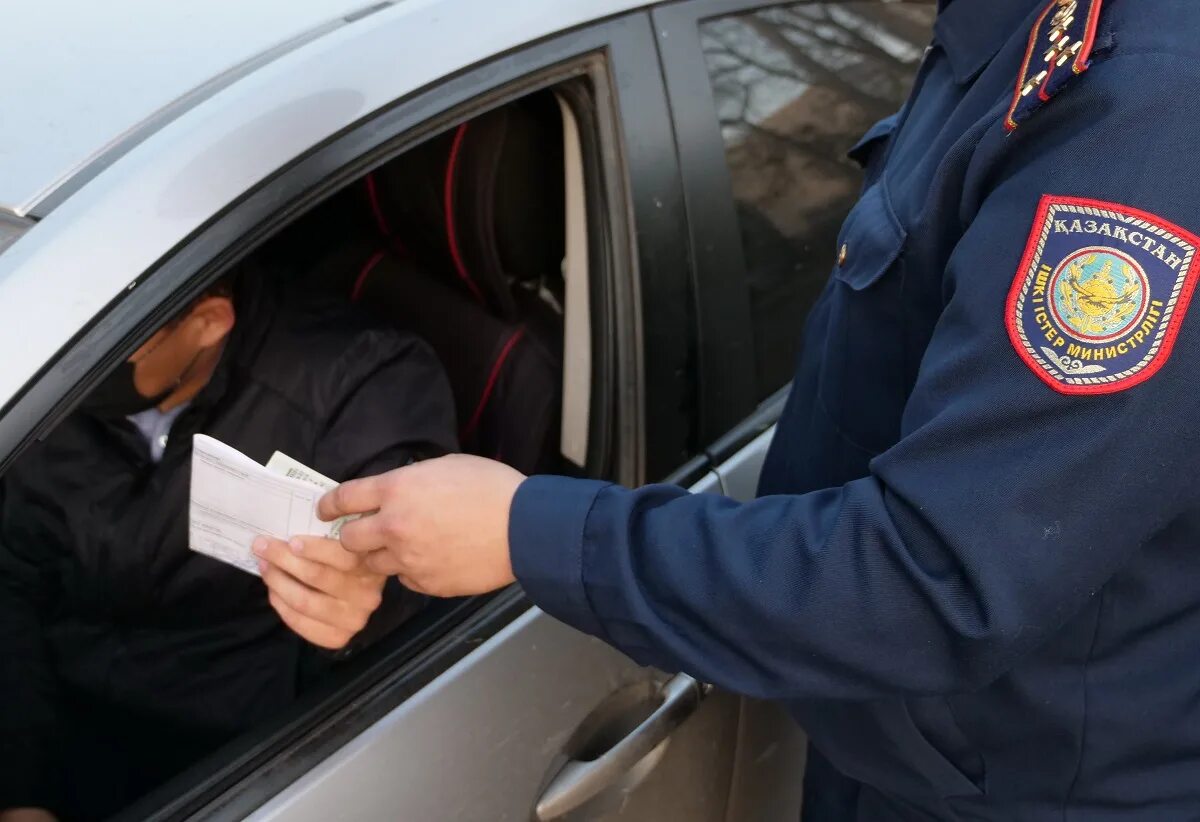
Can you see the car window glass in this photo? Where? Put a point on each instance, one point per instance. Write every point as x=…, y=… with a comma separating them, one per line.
x=795, y=87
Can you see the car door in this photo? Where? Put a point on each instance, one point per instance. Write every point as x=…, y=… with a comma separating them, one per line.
x=768, y=100
x=532, y=719
x=487, y=709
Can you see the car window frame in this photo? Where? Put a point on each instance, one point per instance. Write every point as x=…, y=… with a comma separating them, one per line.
x=650, y=198
x=726, y=365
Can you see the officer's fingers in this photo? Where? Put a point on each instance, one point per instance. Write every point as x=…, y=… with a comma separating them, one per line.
x=356, y=496
x=385, y=563
x=366, y=534
x=316, y=632
x=409, y=583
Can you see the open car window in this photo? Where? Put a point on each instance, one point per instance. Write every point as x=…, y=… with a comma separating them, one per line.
x=420, y=307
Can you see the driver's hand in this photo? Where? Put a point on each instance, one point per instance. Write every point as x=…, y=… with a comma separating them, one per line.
x=319, y=589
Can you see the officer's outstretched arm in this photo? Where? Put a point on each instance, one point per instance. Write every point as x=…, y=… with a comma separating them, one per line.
x=1051, y=436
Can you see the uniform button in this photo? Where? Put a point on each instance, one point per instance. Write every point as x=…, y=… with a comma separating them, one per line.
x=162, y=441
x=842, y=252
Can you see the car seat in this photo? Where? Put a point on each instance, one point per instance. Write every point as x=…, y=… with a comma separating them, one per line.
x=461, y=241
x=504, y=380
x=471, y=236
x=482, y=206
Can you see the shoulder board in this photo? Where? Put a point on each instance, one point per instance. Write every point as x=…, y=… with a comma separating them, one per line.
x=1060, y=47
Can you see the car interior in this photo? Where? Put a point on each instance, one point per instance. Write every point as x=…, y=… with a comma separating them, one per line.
x=476, y=240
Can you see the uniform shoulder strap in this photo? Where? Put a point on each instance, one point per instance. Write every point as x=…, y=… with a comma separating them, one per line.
x=1060, y=47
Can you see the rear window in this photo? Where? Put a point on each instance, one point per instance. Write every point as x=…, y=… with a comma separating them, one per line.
x=795, y=87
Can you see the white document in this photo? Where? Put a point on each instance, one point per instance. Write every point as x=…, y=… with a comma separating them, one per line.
x=234, y=500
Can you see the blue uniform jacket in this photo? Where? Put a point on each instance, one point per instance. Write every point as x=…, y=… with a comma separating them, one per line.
x=974, y=569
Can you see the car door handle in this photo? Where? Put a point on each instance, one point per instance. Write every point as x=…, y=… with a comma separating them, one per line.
x=578, y=781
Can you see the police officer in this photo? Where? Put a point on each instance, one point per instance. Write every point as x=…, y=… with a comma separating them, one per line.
x=977, y=586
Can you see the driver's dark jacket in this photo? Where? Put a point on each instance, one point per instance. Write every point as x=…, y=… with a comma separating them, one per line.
x=102, y=604
x=978, y=593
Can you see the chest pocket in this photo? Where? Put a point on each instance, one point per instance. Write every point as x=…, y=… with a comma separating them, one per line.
x=869, y=151
x=862, y=380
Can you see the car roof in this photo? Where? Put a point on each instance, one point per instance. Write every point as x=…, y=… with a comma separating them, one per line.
x=123, y=207
x=85, y=81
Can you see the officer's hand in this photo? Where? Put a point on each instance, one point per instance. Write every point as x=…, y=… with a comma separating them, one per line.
x=27, y=815
x=320, y=590
x=441, y=526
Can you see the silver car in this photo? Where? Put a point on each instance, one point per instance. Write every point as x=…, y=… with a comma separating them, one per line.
x=694, y=191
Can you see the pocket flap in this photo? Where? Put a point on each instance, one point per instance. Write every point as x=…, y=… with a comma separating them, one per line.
x=860, y=151
x=870, y=240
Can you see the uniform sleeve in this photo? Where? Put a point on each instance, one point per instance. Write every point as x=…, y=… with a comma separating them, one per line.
x=1004, y=507
x=396, y=410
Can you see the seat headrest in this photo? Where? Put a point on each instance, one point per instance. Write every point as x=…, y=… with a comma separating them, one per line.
x=481, y=205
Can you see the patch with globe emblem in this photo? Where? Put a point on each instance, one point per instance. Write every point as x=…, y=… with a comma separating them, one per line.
x=1100, y=294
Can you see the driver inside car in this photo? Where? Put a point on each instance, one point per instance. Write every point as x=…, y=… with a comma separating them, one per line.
x=125, y=656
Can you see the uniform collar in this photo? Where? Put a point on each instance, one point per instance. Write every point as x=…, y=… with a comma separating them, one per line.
x=972, y=31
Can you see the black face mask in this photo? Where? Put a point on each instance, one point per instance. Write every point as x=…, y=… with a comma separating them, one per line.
x=117, y=396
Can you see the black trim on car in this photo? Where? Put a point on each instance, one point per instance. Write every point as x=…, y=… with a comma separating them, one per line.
x=742, y=434
x=666, y=337
x=726, y=365
x=691, y=472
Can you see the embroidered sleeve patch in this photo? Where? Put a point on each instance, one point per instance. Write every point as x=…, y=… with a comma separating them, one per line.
x=1100, y=294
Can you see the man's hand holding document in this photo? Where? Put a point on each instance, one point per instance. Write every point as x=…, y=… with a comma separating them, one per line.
x=234, y=500
x=263, y=519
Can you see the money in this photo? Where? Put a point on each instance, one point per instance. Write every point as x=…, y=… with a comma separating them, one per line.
x=284, y=465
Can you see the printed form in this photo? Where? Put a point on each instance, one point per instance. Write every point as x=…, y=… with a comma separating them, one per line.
x=234, y=500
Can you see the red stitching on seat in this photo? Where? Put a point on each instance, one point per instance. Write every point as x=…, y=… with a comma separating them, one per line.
x=381, y=221
x=451, y=234
x=361, y=281
x=488, y=387
x=380, y=217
